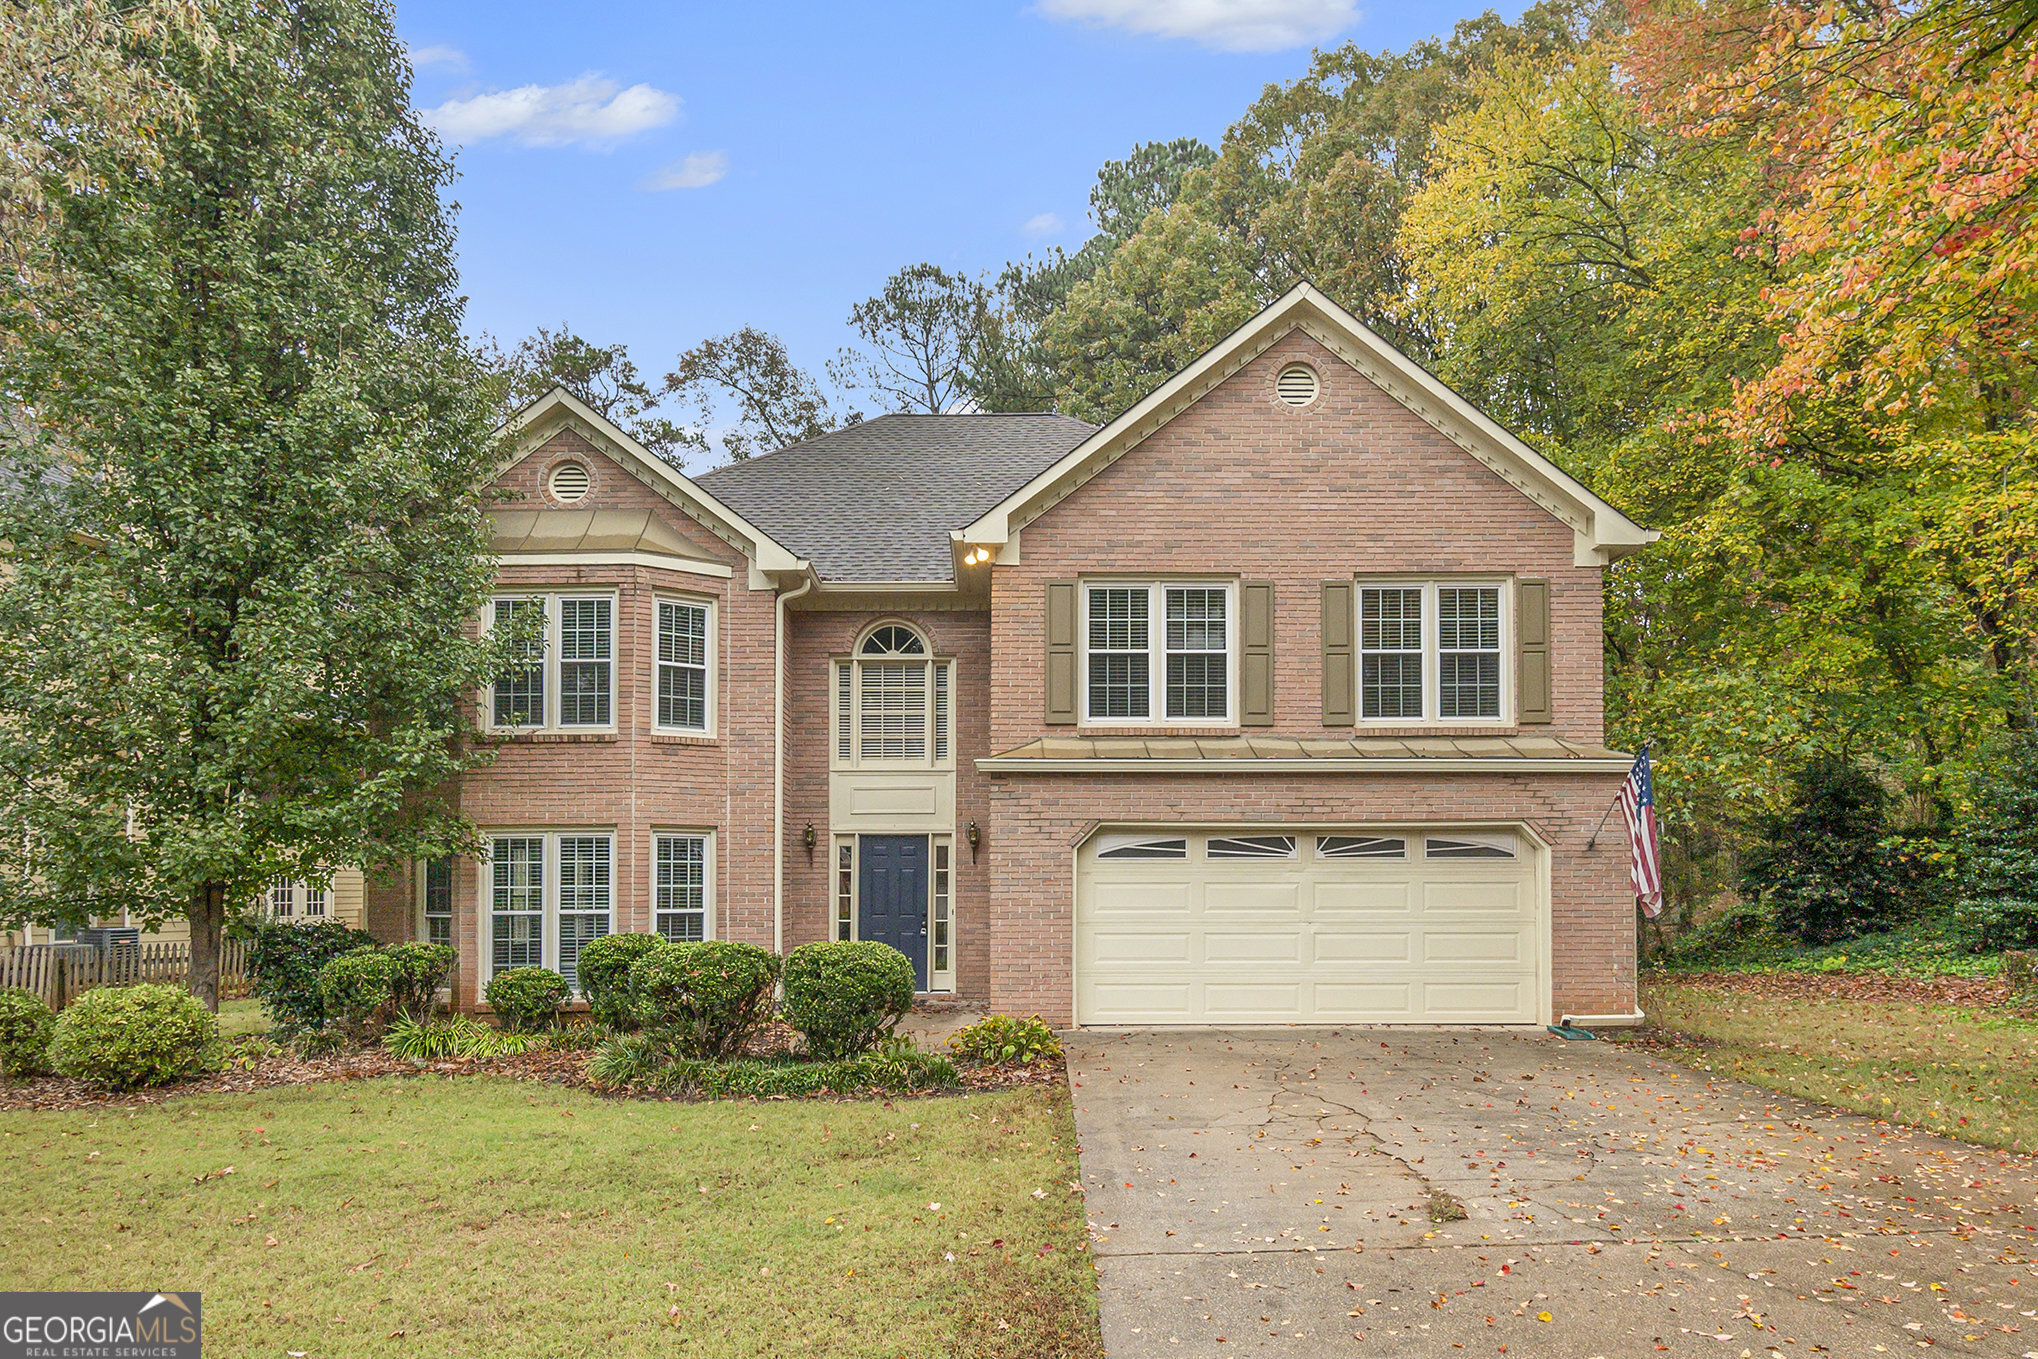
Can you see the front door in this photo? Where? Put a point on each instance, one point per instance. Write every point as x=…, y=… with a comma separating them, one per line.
x=892, y=896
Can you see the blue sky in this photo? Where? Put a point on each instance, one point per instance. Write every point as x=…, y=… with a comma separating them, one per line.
x=653, y=173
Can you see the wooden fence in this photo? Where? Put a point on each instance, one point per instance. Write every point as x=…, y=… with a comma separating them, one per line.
x=60, y=973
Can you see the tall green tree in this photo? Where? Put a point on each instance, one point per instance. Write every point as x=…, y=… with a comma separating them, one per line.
x=920, y=334
x=246, y=476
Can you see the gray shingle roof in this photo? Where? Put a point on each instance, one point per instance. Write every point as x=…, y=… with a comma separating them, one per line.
x=875, y=501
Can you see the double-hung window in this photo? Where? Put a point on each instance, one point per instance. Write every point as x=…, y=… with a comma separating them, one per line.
x=1159, y=652
x=292, y=900
x=894, y=702
x=1432, y=652
x=684, y=645
x=680, y=887
x=563, y=673
x=547, y=895
x=436, y=903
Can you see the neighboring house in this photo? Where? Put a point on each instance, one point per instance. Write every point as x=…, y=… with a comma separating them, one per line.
x=342, y=899
x=1277, y=699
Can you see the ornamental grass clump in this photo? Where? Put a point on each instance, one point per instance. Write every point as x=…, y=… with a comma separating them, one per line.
x=25, y=1028
x=703, y=999
x=844, y=997
x=128, y=1036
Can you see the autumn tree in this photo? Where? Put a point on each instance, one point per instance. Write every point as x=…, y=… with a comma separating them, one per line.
x=245, y=460
x=777, y=402
x=602, y=376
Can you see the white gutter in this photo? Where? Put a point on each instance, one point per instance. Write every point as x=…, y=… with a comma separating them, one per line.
x=1602, y=1021
x=778, y=766
x=1247, y=764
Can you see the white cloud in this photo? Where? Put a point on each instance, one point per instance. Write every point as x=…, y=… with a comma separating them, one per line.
x=697, y=171
x=590, y=110
x=1043, y=224
x=438, y=54
x=1231, y=25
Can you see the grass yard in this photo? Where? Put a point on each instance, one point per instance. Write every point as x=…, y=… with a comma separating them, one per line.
x=479, y=1215
x=1970, y=1073
x=240, y=1018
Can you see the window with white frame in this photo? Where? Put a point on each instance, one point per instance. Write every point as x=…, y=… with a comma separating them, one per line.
x=290, y=899
x=1432, y=652
x=893, y=702
x=683, y=649
x=680, y=888
x=568, y=686
x=436, y=901
x=548, y=894
x=1159, y=652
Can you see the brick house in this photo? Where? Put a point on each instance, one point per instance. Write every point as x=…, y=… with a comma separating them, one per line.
x=1277, y=699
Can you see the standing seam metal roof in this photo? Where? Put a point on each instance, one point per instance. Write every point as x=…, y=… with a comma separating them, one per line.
x=876, y=501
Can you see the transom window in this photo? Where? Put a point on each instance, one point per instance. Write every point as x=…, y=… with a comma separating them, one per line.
x=1180, y=671
x=683, y=645
x=1431, y=652
x=547, y=895
x=893, y=701
x=570, y=685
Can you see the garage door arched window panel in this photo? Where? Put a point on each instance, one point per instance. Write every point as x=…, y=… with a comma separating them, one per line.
x=1249, y=847
x=1135, y=846
x=893, y=704
x=1469, y=847
x=1361, y=847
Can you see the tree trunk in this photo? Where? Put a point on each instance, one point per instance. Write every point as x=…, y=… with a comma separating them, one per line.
x=208, y=919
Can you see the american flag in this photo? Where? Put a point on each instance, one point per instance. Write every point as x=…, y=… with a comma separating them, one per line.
x=1638, y=805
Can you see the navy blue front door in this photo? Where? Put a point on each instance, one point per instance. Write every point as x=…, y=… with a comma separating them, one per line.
x=891, y=899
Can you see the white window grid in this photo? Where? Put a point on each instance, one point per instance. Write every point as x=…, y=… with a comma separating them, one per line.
x=1159, y=653
x=545, y=895
x=682, y=886
x=685, y=647
x=894, y=709
x=1435, y=653
x=569, y=680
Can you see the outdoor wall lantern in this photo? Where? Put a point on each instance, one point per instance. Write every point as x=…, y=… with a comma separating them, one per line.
x=975, y=838
x=808, y=839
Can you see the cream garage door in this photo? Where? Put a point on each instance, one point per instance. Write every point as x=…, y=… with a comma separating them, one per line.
x=1305, y=927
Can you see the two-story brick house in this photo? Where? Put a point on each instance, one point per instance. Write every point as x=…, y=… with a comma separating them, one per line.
x=1277, y=699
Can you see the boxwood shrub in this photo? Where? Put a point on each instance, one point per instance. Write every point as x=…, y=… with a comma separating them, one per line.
x=127, y=1036
x=526, y=999
x=416, y=972
x=25, y=1027
x=285, y=960
x=357, y=991
x=844, y=997
x=604, y=971
x=704, y=999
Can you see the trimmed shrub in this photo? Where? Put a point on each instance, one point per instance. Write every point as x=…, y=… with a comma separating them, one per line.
x=1998, y=850
x=635, y=1062
x=285, y=960
x=25, y=1027
x=357, y=991
x=1000, y=1040
x=843, y=997
x=704, y=999
x=604, y=971
x=527, y=999
x=416, y=972
x=1821, y=865
x=127, y=1036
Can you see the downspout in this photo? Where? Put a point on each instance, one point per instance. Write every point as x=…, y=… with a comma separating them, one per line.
x=778, y=766
x=1603, y=1021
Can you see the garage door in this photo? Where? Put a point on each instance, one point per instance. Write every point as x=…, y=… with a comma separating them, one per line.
x=1393, y=926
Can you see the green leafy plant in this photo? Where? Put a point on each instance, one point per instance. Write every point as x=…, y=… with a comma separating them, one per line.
x=1000, y=1040
x=604, y=972
x=638, y=1062
x=1821, y=865
x=704, y=999
x=455, y=1036
x=526, y=999
x=844, y=997
x=25, y=1028
x=285, y=959
x=1997, y=880
x=357, y=992
x=416, y=972
x=127, y=1036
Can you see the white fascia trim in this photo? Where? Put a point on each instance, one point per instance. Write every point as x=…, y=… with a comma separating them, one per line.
x=764, y=551
x=655, y=559
x=993, y=764
x=1604, y=533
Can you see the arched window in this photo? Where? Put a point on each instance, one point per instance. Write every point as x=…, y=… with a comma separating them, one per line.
x=892, y=701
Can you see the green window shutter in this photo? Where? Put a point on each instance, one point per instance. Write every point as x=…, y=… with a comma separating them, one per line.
x=1061, y=653
x=1256, y=659
x=1339, y=655
x=1532, y=644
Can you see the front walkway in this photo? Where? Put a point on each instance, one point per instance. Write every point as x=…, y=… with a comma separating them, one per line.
x=1271, y=1191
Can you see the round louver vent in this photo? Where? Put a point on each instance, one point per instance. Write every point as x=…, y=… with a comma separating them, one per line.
x=1296, y=385
x=569, y=482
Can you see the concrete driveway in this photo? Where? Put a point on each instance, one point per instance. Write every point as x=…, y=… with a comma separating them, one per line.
x=1271, y=1190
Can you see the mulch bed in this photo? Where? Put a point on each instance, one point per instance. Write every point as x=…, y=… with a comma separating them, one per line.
x=1964, y=992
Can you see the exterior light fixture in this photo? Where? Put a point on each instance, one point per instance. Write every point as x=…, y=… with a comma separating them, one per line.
x=975, y=838
x=808, y=838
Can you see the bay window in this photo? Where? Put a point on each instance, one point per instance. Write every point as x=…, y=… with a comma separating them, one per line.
x=547, y=895
x=684, y=646
x=565, y=686
x=680, y=890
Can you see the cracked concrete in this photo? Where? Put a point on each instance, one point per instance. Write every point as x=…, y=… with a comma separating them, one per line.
x=1268, y=1190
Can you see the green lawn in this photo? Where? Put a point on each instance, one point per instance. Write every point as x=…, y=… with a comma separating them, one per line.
x=476, y=1215
x=240, y=1018
x=1971, y=1074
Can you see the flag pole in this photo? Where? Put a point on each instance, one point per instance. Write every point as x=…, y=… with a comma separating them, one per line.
x=1593, y=842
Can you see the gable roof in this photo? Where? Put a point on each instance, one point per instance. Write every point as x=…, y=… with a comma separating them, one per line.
x=1601, y=533
x=879, y=501
x=530, y=427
